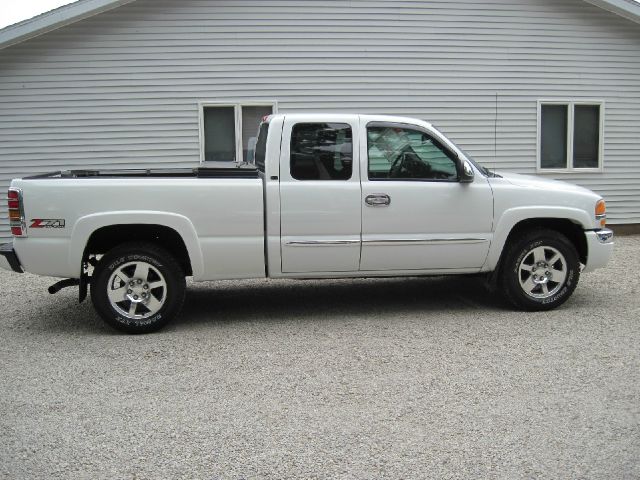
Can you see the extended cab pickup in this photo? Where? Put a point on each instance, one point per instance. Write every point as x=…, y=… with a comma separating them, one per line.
x=327, y=196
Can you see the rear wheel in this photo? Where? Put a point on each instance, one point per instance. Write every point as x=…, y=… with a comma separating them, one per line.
x=540, y=270
x=138, y=287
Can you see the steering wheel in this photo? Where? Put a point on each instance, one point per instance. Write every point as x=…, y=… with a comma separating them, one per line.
x=409, y=165
x=398, y=166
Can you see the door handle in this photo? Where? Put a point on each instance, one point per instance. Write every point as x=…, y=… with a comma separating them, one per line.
x=378, y=200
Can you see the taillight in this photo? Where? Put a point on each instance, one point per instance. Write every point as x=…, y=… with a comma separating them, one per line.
x=16, y=213
x=601, y=213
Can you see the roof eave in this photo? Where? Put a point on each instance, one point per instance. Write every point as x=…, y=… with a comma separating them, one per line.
x=55, y=19
x=628, y=9
x=82, y=9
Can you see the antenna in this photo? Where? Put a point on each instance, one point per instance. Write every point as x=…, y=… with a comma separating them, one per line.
x=495, y=134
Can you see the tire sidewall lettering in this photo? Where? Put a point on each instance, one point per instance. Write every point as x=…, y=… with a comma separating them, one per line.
x=134, y=258
x=139, y=322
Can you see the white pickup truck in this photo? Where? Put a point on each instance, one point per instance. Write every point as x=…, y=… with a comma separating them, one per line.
x=327, y=196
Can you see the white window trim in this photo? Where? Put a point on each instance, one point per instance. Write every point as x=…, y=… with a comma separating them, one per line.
x=570, y=103
x=237, y=109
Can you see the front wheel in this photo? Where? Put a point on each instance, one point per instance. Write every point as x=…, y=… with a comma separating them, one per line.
x=138, y=287
x=540, y=271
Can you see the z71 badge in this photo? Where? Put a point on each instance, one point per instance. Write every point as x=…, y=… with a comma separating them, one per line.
x=47, y=223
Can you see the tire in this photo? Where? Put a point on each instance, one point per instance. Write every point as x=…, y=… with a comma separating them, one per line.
x=540, y=270
x=138, y=287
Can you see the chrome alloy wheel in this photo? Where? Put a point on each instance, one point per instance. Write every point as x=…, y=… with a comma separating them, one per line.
x=542, y=272
x=137, y=290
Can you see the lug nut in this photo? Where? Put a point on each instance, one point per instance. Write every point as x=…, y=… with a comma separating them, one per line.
x=129, y=292
x=146, y=287
x=135, y=297
x=131, y=283
x=139, y=282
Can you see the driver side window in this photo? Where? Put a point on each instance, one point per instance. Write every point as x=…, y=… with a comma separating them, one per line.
x=407, y=154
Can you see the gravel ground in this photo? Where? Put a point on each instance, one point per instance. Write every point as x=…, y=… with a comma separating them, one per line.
x=386, y=378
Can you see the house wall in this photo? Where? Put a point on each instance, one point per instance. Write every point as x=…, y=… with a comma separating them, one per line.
x=121, y=89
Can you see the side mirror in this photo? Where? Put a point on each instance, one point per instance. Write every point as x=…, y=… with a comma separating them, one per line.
x=466, y=172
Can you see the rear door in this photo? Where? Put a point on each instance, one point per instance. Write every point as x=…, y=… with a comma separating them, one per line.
x=320, y=195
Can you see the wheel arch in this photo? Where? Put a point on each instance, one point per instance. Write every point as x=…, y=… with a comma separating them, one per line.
x=569, y=222
x=572, y=231
x=96, y=234
x=569, y=229
x=105, y=238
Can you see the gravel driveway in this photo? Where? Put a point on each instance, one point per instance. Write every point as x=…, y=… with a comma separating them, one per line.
x=387, y=378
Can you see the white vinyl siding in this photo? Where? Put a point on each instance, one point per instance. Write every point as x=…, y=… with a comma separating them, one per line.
x=122, y=88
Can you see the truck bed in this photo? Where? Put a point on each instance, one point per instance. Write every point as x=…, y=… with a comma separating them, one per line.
x=218, y=213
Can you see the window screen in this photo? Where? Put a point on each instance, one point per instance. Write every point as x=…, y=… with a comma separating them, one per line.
x=321, y=151
x=219, y=134
x=586, y=136
x=553, y=136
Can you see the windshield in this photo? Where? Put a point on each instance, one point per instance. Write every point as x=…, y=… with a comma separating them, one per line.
x=484, y=170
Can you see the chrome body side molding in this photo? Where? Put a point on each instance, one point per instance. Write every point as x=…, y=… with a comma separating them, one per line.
x=320, y=243
x=426, y=241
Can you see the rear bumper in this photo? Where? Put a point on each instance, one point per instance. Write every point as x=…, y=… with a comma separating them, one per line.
x=599, y=248
x=9, y=259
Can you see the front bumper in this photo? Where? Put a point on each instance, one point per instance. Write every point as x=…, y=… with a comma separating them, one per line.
x=9, y=259
x=599, y=248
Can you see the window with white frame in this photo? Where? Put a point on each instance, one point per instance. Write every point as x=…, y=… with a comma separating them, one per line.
x=570, y=135
x=228, y=131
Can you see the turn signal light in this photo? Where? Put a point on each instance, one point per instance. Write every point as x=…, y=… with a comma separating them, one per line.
x=601, y=213
x=16, y=213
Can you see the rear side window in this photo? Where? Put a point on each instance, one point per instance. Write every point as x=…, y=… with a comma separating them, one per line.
x=261, y=146
x=321, y=151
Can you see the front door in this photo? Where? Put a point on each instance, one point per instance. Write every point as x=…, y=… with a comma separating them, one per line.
x=416, y=215
x=320, y=195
